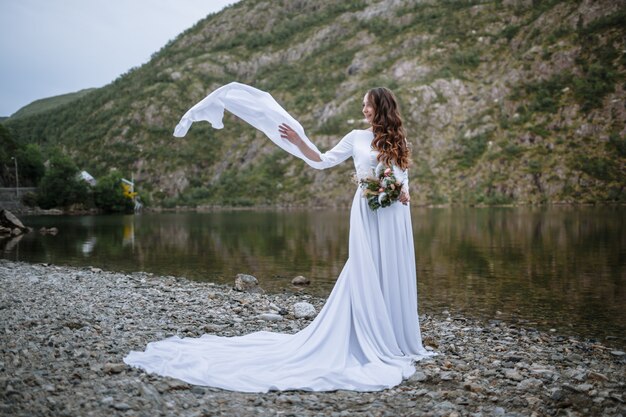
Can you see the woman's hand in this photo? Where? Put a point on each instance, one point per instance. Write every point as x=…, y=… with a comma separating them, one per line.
x=286, y=132
x=404, y=197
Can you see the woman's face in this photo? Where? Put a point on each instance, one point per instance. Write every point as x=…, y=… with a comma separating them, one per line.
x=368, y=110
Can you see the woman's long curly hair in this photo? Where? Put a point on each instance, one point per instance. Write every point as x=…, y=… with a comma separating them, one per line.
x=389, y=135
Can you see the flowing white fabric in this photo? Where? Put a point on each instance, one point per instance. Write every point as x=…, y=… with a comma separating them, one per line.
x=252, y=105
x=367, y=335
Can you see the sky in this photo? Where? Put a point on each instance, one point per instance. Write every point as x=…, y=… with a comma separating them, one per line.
x=52, y=47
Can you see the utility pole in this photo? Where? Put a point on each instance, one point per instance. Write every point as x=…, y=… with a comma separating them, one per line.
x=17, y=178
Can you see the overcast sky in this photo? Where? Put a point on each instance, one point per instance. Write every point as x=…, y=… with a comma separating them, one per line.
x=52, y=47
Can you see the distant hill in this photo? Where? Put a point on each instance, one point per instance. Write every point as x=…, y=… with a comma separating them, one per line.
x=505, y=101
x=49, y=103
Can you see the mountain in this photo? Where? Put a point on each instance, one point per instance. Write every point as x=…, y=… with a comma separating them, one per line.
x=505, y=101
x=49, y=103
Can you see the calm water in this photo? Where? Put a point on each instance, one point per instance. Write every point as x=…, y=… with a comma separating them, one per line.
x=562, y=268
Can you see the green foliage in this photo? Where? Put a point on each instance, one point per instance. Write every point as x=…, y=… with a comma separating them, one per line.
x=260, y=184
x=545, y=95
x=557, y=34
x=600, y=168
x=541, y=6
x=285, y=29
x=108, y=194
x=30, y=162
x=487, y=198
x=280, y=48
x=29, y=199
x=466, y=58
x=510, y=31
x=597, y=82
x=512, y=151
x=60, y=186
x=471, y=149
x=618, y=143
x=383, y=28
x=47, y=104
x=7, y=150
x=534, y=167
x=458, y=64
x=612, y=21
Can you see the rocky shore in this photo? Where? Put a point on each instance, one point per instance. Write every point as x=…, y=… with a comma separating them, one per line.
x=64, y=332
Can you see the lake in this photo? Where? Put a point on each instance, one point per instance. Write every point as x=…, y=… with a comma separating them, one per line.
x=561, y=268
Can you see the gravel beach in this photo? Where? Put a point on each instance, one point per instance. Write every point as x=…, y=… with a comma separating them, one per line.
x=65, y=330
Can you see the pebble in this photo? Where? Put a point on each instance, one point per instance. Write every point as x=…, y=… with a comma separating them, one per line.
x=513, y=374
x=122, y=406
x=270, y=317
x=419, y=376
x=65, y=331
x=113, y=368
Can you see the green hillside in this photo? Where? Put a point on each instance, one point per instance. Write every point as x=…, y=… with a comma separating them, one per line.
x=505, y=101
x=49, y=103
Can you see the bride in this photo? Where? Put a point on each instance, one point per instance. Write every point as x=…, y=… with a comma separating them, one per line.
x=367, y=335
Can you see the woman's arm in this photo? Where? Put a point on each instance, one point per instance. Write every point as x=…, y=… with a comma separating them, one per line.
x=339, y=153
x=286, y=132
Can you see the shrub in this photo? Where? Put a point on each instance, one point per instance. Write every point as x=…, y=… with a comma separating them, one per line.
x=30, y=162
x=60, y=186
x=599, y=168
x=472, y=149
x=590, y=89
x=29, y=199
x=619, y=144
x=510, y=31
x=109, y=194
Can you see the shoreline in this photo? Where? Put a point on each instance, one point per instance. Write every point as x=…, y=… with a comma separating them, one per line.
x=66, y=330
x=35, y=211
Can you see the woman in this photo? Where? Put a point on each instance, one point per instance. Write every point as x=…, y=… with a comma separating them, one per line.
x=367, y=335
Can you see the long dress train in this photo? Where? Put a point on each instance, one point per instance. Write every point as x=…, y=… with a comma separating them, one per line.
x=366, y=336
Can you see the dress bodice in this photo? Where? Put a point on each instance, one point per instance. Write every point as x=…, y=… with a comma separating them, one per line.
x=362, y=153
x=358, y=145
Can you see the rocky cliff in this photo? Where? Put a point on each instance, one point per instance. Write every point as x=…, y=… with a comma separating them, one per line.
x=506, y=101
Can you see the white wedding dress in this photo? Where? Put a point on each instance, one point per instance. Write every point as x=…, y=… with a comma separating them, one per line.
x=365, y=338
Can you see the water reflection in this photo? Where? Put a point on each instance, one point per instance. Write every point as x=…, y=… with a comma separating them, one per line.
x=559, y=267
x=562, y=268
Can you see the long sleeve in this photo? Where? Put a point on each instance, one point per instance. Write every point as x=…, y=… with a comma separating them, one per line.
x=339, y=153
x=402, y=176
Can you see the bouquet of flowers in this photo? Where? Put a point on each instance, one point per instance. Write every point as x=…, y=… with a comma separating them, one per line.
x=382, y=189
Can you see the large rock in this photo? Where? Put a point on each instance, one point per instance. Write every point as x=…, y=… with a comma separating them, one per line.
x=247, y=283
x=304, y=310
x=8, y=220
x=300, y=280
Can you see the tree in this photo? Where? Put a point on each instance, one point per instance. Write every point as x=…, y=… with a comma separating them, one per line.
x=29, y=161
x=60, y=186
x=109, y=194
x=31, y=165
x=7, y=150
